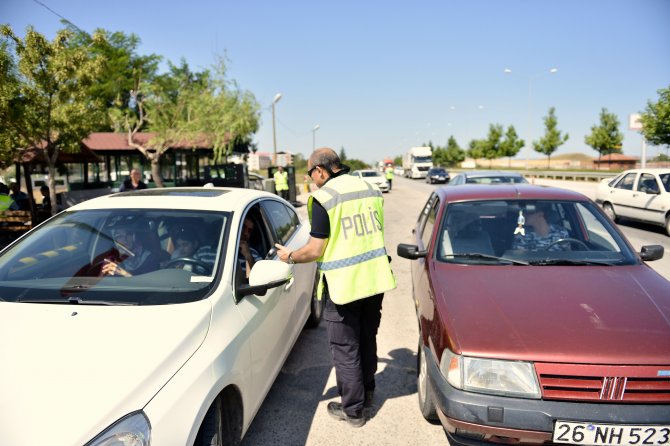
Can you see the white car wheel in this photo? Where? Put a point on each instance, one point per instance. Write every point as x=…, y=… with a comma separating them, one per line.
x=609, y=210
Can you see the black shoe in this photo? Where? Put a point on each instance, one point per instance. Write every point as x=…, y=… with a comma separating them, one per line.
x=335, y=411
x=369, y=396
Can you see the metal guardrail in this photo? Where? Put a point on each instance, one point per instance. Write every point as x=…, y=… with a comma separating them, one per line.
x=566, y=175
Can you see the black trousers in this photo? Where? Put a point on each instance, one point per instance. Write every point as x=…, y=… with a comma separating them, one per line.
x=352, y=335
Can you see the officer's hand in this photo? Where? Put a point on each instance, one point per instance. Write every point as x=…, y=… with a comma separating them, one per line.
x=282, y=252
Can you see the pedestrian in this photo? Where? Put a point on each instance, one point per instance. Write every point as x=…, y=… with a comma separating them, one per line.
x=389, y=176
x=281, y=182
x=347, y=241
x=20, y=198
x=134, y=182
x=46, y=198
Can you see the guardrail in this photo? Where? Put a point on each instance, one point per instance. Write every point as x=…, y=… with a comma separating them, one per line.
x=566, y=175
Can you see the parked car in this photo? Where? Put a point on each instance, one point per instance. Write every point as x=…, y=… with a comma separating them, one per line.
x=256, y=181
x=565, y=344
x=437, y=175
x=487, y=177
x=373, y=177
x=637, y=194
x=182, y=354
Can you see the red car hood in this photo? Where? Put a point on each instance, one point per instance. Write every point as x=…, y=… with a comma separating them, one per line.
x=576, y=314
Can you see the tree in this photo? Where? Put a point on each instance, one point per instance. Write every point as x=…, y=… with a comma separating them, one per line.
x=552, y=138
x=656, y=120
x=122, y=67
x=50, y=108
x=491, y=145
x=343, y=154
x=449, y=156
x=476, y=149
x=356, y=164
x=605, y=138
x=397, y=160
x=183, y=106
x=511, y=145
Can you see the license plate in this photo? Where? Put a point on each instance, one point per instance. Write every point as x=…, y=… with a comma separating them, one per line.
x=610, y=434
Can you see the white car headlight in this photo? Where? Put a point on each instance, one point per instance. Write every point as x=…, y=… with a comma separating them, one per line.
x=491, y=376
x=131, y=430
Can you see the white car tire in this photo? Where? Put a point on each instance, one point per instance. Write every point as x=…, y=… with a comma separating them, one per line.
x=609, y=210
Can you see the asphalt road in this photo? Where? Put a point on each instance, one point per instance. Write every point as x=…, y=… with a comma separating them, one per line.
x=294, y=412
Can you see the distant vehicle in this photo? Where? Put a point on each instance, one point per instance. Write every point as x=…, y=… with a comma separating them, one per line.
x=637, y=194
x=437, y=175
x=177, y=348
x=529, y=339
x=417, y=162
x=373, y=177
x=399, y=171
x=256, y=181
x=487, y=177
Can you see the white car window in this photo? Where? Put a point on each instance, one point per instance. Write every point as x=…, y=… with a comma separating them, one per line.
x=626, y=182
x=648, y=184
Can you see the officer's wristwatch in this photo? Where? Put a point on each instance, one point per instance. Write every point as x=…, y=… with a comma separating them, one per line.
x=290, y=259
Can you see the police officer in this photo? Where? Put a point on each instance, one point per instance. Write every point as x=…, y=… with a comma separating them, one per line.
x=389, y=176
x=7, y=203
x=347, y=240
x=281, y=182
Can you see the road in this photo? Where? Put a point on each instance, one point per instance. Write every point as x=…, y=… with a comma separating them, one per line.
x=294, y=412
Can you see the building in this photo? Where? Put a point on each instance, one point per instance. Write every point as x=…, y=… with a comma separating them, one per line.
x=615, y=161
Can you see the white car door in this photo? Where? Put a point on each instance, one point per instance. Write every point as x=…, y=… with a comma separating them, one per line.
x=267, y=317
x=622, y=196
x=288, y=231
x=652, y=203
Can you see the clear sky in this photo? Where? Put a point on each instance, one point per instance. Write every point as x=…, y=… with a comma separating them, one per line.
x=379, y=76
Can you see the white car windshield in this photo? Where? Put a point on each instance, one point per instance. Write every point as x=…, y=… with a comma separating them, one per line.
x=370, y=174
x=116, y=257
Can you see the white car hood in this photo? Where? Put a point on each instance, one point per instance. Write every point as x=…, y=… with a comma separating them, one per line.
x=69, y=371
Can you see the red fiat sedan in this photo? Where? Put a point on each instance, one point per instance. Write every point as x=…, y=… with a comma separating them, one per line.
x=539, y=323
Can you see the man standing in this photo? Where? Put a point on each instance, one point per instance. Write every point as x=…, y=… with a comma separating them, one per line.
x=281, y=182
x=134, y=182
x=389, y=176
x=347, y=240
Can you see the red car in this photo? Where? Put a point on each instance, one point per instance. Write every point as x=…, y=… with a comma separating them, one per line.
x=539, y=323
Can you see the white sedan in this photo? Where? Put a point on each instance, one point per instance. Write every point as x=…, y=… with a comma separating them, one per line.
x=115, y=333
x=373, y=177
x=637, y=194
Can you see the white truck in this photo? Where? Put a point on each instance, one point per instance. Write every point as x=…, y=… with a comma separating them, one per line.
x=417, y=162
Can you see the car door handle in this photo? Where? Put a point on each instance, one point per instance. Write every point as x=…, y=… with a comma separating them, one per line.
x=289, y=284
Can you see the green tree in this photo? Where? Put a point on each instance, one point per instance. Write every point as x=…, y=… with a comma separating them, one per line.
x=492, y=143
x=397, y=160
x=122, y=68
x=606, y=137
x=51, y=109
x=656, y=120
x=511, y=145
x=476, y=148
x=356, y=164
x=552, y=138
x=449, y=156
x=181, y=105
x=343, y=154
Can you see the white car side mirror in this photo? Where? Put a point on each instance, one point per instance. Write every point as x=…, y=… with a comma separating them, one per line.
x=265, y=272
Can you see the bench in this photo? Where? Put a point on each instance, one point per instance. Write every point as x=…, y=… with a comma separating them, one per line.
x=15, y=221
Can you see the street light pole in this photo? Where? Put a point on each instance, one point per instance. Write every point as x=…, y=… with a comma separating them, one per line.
x=529, y=142
x=274, y=134
x=316, y=127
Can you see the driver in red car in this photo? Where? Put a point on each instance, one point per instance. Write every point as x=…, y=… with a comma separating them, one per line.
x=542, y=234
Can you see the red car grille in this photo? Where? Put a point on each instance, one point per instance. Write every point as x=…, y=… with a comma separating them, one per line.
x=606, y=384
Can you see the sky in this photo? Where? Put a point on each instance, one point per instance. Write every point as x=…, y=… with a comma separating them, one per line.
x=379, y=77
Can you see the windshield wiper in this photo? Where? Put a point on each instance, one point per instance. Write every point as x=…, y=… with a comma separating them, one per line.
x=478, y=255
x=75, y=301
x=543, y=262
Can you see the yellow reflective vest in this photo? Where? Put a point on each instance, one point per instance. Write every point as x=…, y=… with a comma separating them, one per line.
x=389, y=173
x=6, y=202
x=281, y=180
x=355, y=264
